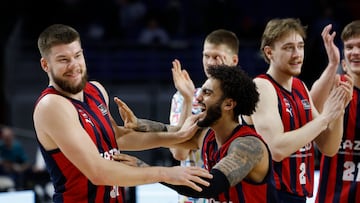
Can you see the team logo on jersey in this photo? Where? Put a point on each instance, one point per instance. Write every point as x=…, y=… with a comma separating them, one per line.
x=288, y=107
x=103, y=109
x=306, y=104
x=85, y=117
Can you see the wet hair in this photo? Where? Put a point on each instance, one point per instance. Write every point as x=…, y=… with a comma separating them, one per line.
x=351, y=30
x=276, y=29
x=237, y=85
x=56, y=34
x=226, y=37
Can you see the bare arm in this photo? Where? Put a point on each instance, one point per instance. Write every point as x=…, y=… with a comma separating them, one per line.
x=329, y=140
x=244, y=155
x=283, y=144
x=63, y=130
x=149, y=134
x=185, y=86
x=322, y=86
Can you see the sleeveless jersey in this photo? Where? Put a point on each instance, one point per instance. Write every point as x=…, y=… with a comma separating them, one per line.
x=70, y=184
x=294, y=174
x=246, y=190
x=340, y=174
x=194, y=158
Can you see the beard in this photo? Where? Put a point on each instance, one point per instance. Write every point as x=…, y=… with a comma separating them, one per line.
x=212, y=115
x=68, y=87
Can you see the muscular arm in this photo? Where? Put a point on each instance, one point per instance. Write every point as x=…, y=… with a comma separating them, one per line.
x=244, y=154
x=244, y=159
x=282, y=144
x=60, y=128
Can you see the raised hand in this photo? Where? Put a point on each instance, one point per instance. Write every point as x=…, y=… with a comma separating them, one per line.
x=182, y=80
x=127, y=115
x=332, y=50
x=335, y=104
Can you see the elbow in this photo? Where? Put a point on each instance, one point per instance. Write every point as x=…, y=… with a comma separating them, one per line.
x=277, y=155
x=329, y=152
x=179, y=155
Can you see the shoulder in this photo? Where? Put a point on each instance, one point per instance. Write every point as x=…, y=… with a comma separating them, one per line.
x=262, y=83
x=247, y=143
x=101, y=88
x=52, y=100
x=54, y=105
x=98, y=85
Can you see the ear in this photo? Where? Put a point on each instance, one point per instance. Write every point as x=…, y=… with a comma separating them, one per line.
x=268, y=52
x=229, y=104
x=44, y=64
x=344, y=65
x=235, y=59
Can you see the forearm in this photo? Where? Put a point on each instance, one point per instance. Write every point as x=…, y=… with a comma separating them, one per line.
x=330, y=139
x=323, y=85
x=186, y=110
x=284, y=145
x=218, y=184
x=145, y=125
x=181, y=151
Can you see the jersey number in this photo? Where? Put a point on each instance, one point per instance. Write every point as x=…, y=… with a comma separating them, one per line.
x=302, y=177
x=349, y=172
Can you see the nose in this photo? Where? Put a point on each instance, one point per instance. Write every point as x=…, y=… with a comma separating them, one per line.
x=73, y=63
x=199, y=97
x=298, y=52
x=356, y=49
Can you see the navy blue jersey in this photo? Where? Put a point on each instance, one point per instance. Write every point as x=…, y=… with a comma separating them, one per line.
x=70, y=184
x=340, y=174
x=245, y=191
x=294, y=174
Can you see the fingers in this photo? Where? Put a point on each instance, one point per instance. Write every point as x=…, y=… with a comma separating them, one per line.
x=326, y=32
x=119, y=102
x=125, y=159
x=221, y=59
x=196, y=175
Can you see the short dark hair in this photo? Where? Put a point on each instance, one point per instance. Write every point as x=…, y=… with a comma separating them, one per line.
x=237, y=85
x=54, y=35
x=226, y=37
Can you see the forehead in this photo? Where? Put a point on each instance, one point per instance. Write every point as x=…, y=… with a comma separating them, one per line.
x=66, y=49
x=212, y=84
x=353, y=41
x=215, y=49
x=290, y=38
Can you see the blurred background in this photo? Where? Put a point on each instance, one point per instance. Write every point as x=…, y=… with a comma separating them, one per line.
x=129, y=46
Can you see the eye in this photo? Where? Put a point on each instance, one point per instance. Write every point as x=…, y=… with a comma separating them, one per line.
x=206, y=92
x=288, y=48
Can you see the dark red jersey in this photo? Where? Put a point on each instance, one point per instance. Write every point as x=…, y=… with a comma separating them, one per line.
x=246, y=190
x=340, y=174
x=294, y=174
x=70, y=184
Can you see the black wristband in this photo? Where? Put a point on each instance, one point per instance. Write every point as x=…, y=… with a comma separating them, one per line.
x=218, y=184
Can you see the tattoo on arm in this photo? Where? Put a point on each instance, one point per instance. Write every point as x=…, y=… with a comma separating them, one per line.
x=145, y=125
x=242, y=156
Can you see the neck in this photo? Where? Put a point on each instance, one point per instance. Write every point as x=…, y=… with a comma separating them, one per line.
x=223, y=130
x=78, y=96
x=284, y=80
